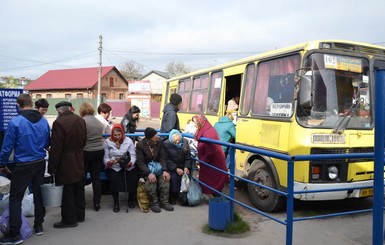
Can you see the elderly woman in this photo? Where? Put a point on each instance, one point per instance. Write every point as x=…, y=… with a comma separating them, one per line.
x=178, y=161
x=93, y=150
x=211, y=154
x=122, y=173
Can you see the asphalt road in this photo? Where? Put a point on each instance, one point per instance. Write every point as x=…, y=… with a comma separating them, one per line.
x=184, y=225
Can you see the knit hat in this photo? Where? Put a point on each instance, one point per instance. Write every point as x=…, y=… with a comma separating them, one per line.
x=149, y=132
x=175, y=99
x=63, y=103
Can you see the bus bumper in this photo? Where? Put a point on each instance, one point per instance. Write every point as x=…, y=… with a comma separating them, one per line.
x=326, y=194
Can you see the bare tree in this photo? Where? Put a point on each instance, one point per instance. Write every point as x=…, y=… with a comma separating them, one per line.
x=131, y=70
x=177, y=68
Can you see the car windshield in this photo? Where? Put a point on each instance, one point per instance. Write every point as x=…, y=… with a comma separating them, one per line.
x=340, y=95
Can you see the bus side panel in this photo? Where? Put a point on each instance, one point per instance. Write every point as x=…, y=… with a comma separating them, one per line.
x=265, y=134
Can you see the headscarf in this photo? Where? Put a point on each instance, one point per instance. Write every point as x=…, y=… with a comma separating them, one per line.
x=117, y=125
x=199, y=122
x=172, y=132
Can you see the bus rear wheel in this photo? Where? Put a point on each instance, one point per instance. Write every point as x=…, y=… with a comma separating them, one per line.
x=262, y=198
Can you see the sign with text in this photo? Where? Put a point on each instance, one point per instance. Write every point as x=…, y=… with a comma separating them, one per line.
x=8, y=106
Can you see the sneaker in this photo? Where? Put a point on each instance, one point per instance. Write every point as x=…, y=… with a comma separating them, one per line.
x=38, y=230
x=11, y=240
x=167, y=207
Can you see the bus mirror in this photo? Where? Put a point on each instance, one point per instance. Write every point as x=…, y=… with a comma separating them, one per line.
x=305, y=91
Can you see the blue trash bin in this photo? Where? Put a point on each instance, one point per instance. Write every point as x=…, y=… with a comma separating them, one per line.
x=219, y=213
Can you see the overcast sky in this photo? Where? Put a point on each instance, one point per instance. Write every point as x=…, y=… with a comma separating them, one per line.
x=42, y=35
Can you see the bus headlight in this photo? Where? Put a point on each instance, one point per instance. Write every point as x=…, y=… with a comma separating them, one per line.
x=332, y=172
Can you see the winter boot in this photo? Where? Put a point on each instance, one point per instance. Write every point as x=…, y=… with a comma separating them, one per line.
x=154, y=204
x=164, y=196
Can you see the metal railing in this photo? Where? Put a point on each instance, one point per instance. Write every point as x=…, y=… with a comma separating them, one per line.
x=290, y=193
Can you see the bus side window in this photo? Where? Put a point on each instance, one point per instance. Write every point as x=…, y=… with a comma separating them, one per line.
x=281, y=88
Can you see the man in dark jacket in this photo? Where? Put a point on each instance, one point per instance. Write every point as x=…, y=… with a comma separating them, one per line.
x=150, y=149
x=67, y=165
x=28, y=136
x=170, y=118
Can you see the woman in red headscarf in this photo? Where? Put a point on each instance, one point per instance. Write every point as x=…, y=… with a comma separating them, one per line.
x=211, y=154
x=119, y=164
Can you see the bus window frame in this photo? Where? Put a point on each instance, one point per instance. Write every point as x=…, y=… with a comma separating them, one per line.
x=185, y=94
x=252, y=109
x=250, y=100
x=211, y=87
x=196, y=91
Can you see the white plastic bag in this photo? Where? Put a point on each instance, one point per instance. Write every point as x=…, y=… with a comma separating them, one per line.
x=185, y=183
x=27, y=205
x=4, y=202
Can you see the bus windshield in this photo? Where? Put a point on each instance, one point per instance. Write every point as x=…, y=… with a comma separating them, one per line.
x=336, y=93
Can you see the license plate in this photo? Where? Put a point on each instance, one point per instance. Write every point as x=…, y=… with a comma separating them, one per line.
x=366, y=192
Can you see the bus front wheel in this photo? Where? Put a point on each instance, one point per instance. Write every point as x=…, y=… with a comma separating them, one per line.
x=262, y=198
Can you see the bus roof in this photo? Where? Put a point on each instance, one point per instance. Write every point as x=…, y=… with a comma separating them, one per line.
x=343, y=45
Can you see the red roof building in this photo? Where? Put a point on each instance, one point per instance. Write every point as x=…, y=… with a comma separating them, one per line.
x=80, y=83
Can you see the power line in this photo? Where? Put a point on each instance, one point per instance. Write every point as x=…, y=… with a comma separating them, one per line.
x=55, y=62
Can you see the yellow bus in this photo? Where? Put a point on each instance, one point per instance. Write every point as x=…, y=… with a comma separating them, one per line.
x=310, y=98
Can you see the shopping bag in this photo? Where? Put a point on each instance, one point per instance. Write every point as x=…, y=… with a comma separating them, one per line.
x=25, y=229
x=142, y=196
x=28, y=206
x=194, y=194
x=184, y=183
x=155, y=168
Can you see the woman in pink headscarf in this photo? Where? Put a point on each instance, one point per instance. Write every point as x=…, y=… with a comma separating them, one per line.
x=211, y=154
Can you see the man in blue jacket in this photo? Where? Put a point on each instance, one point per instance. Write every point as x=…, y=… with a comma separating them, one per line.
x=28, y=135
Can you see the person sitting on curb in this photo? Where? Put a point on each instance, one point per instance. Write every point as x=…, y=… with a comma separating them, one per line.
x=151, y=161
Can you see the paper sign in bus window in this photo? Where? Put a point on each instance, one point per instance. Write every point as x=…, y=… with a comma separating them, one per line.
x=281, y=109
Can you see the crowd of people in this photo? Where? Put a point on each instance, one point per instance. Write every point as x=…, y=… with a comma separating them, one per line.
x=75, y=145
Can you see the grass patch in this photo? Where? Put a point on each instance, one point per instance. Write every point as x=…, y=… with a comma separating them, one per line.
x=239, y=227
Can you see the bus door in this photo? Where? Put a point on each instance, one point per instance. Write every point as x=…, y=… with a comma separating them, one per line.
x=232, y=92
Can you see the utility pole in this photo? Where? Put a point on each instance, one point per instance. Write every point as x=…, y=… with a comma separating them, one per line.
x=100, y=70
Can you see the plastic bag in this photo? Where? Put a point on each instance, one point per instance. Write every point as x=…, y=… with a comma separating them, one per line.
x=25, y=229
x=27, y=205
x=185, y=183
x=155, y=168
x=142, y=196
x=4, y=202
x=194, y=194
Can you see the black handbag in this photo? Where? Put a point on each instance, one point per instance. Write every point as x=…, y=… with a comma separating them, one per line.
x=124, y=159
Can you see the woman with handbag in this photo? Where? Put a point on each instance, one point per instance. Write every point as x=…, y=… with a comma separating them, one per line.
x=119, y=160
x=178, y=161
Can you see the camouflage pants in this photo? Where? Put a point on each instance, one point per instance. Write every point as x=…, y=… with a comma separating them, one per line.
x=161, y=188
